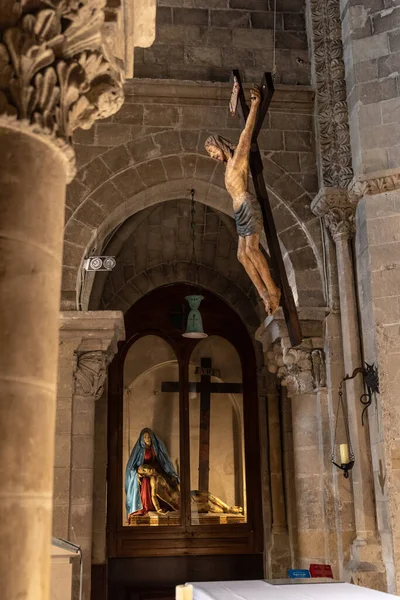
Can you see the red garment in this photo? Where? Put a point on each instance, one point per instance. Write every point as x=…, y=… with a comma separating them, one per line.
x=145, y=488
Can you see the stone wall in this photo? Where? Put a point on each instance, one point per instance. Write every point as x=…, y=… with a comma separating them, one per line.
x=378, y=250
x=153, y=151
x=204, y=40
x=371, y=40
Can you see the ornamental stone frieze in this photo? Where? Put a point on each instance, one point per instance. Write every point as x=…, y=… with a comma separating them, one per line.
x=374, y=183
x=56, y=72
x=301, y=370
x=337, y=212
x=328, y=72
x=90, y=374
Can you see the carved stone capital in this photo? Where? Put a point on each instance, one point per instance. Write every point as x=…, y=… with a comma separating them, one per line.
x=375, y=183
x=337, y=211
x=301, y=370
x=91, y=373
x=333, y=133
x=56, y=73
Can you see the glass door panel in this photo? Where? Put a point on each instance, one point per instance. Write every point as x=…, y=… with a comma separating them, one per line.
x=150, y=458
x=217, y=466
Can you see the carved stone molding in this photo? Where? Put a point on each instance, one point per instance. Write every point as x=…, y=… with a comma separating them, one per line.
x=301, y=371
x=56, y=73
x=372, y=185
x=90, y=373
x=331, y=104
x=337, y=211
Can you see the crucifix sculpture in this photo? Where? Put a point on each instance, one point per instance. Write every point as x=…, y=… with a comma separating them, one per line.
x=252, y=213
x=206, y=388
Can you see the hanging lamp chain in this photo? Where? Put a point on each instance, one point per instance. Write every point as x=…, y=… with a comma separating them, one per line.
x=193, y=226
x=274, y=45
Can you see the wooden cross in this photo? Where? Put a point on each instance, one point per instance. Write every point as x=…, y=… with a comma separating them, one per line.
x=256, y=169
x=206, y=388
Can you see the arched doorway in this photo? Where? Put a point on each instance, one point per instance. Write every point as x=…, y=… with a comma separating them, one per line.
x=199, y=400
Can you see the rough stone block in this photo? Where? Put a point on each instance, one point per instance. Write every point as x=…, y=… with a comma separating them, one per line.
x=111, y=134
x=265, y=20
x=253, y=38
x=107, y=197
x=366, y=70
x=293, y=121
x=90, y=213
x=294, y=22
x=297, y=141
x=77, y=232
x=130, y=113
x=229, y=18
x=375, y=160
x=249, y=4
x=381, y=136
x=161, y=115
x=76, y=192
x=291, y=40
x=388, y=65
x=179, y=34
x=152, y=172
x=190, y=16
x=163, y=15
x=203, y=56
x=168, y=142
x=72, y=254
x=94, y=173
x=143, y=149
x=117, y=158
x=173, y=167
x=370, y=47
x=216, y=37
x=241, y=58
x=386, y=20
x=163, y=54
x=128, y=182
x=394, y=41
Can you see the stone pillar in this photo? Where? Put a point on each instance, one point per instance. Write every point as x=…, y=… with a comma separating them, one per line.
x=302, y=373
x=54, y=79
x=338, y=214
x=88, y=342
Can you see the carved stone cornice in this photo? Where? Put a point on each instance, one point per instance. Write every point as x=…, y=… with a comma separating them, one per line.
x=91, y=373
x=301, y=370
x=56, y=74
x=375, y=183
x=337, y=211
x=331, y=103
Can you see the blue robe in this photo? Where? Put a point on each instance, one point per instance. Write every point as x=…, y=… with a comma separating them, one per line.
x=132, y=488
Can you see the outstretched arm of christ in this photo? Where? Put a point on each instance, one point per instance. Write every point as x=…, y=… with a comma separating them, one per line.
x=242, y=150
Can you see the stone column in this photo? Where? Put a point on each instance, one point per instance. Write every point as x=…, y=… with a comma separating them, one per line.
x=54, y=79
x=302, y=373
x=88, y=342
x=338, y=214
x=280, y=554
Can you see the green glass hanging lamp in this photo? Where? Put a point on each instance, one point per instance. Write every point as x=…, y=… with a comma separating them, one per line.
x=194, y=327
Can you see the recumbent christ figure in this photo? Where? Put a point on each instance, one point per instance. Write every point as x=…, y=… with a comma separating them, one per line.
x=248, y=214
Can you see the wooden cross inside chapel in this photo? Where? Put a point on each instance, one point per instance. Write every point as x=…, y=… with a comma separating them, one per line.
x=238, y=104
x=205, y=387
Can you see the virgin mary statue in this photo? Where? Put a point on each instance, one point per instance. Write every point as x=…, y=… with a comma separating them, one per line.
x=151, y=482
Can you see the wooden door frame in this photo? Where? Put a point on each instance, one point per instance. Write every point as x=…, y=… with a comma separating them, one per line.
x=151, y=316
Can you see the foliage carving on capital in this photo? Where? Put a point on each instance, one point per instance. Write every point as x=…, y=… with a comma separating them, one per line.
x=340, y=222
x=56, y=74
x=90, y=374
x=337, y=210
x=331, y=96
x=301, y=371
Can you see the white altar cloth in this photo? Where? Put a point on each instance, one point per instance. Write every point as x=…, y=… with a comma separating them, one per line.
x=263, y=590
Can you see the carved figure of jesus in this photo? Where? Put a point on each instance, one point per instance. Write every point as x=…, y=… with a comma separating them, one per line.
x=248, y=215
